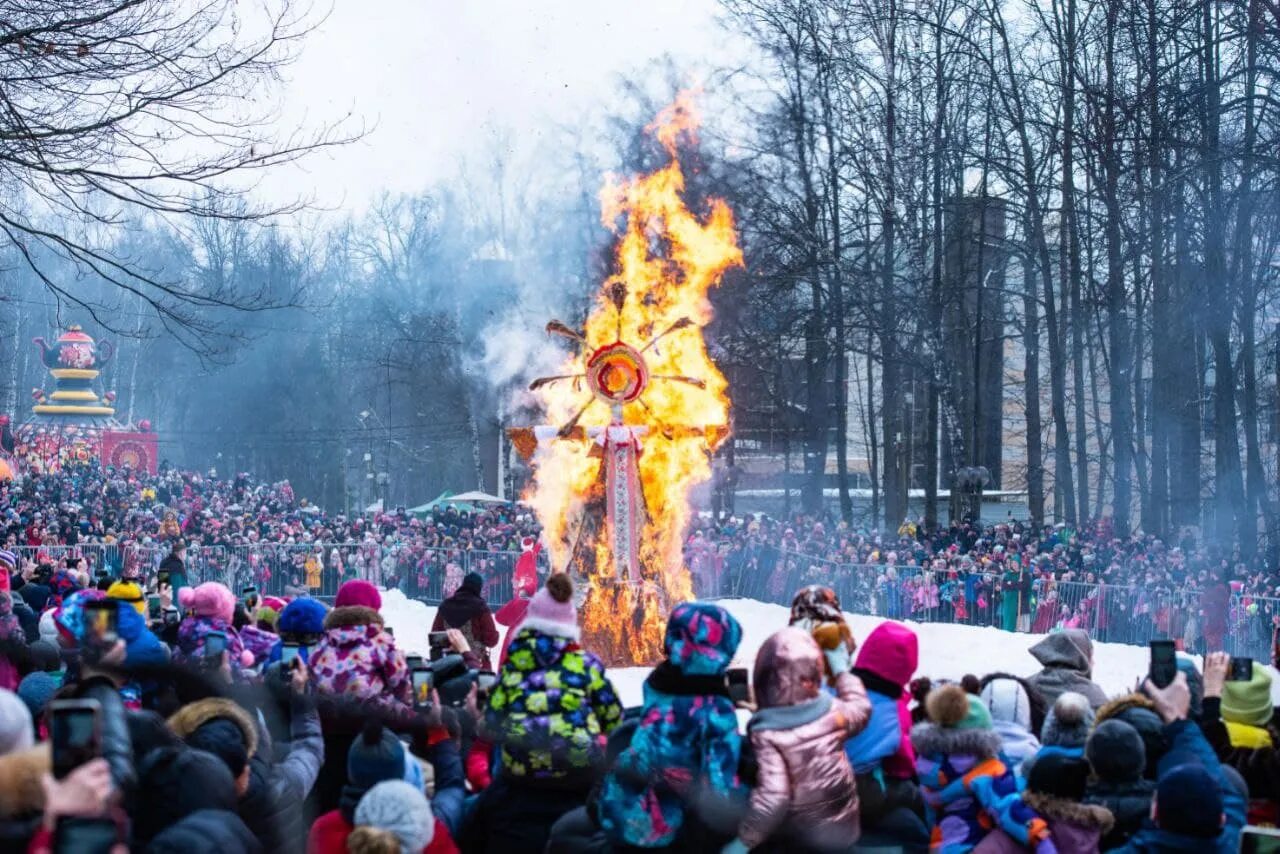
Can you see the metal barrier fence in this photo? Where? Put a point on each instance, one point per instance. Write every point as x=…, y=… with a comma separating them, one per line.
x=429, y=574
x=1118, y=614
x=1111, y=613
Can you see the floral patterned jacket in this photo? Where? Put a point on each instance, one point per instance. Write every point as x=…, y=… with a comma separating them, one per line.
x=357, y=658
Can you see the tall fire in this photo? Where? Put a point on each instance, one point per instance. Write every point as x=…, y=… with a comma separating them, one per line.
x=635, y=413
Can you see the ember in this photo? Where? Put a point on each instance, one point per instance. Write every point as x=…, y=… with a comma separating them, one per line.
x=636, y=414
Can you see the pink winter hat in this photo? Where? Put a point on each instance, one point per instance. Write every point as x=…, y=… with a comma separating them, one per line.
x=551, y=610
x=357, y=592
x=210, y=599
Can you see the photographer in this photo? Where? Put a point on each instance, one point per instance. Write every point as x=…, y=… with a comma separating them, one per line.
x=271, y=781
x=34, y=587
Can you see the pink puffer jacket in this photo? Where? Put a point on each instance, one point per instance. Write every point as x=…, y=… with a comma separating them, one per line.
x=805, y=788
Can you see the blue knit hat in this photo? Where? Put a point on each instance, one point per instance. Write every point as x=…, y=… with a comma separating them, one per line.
x=1188, y=801
x=37, y=689
x=303, y=616
x=375, y=755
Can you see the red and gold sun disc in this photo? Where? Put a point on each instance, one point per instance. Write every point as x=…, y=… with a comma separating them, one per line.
x=616, y=373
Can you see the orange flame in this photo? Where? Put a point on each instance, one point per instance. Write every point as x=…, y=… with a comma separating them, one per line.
x=667, y=259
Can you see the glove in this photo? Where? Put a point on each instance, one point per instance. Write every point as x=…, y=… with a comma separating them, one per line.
x=837, y=659
x=737, y=846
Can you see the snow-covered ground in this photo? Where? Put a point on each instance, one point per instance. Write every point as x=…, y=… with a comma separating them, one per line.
x=946, y=651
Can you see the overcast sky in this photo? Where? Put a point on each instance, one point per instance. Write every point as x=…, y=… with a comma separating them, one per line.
x=431, y=78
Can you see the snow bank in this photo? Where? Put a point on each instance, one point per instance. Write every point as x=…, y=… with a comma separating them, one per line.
x=946, y=651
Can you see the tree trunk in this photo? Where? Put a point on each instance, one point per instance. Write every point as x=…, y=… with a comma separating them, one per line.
x=1121, y=368
x=1031, y=390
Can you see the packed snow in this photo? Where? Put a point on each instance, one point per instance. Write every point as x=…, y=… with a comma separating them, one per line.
x=946, y=651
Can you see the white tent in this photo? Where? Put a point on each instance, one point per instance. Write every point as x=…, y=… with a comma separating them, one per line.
x=475, y=497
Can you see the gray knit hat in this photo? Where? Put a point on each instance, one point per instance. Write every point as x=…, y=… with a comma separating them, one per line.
x=16, y=732
x=1068, y=722
x=400, y=809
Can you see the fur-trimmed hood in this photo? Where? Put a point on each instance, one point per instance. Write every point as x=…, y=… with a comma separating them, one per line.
x=930, y=739
x=1053, y=809
x=20, y=773
x=352, y=615
x=194, y=715
x=1114, y=707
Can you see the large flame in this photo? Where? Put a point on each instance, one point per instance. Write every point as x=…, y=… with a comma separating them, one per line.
x=666, y=260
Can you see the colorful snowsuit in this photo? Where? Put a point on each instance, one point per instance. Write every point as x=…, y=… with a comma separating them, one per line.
x=551, y=709
x=963, y=781
x=687, y=741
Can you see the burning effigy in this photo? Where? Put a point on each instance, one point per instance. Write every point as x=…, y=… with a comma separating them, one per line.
x=636, y=411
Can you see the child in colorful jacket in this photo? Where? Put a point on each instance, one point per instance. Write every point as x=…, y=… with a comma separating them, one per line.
x=961, y=774
x=881, y=755
x=805, y=795
x=1049, y=815
x=210, y=607
x=553, y=704
x=356, y=656
x=687, y=742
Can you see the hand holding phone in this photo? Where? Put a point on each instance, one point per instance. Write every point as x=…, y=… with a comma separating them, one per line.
x=739, y=684
x=423, y=680
x=75, y=733
x=1164, y=663
x=1241, y=670
x=288, y=652
x=215, y=644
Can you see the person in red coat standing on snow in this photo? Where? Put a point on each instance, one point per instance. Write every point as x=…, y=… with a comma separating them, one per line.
x=524, y=583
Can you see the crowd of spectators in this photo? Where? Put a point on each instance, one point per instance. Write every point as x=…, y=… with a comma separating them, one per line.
x=238, y=725
x=1013, y=575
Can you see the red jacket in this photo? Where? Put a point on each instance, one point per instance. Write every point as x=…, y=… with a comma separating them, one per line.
x=479, y=773
x=329, y=836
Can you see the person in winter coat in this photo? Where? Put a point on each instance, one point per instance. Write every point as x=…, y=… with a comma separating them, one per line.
x=1038, y=708
x=395, y=811
x=300, y=622
x=1139, y=712
x=686, y=746
x=13, y=642
x=550, y=712
x=175, y=564
x=142, y=647
x=1052, y=815
x=356, y=656
x=1118, y=758
x=468, y=612
x=377, y=755
x=883, y=761
x=1009, y=703
x=207, y=831
x=210, y=607
x=271, y=792
x=1215, y=602
x=962, y=776
x=1065, y=731
x=1196, y=808
x=524, y=583
x=805, y=797
x=177, y=782
x=1067, y=658
x=1238, y=721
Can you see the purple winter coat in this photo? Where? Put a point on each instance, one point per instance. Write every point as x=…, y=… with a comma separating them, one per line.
x=1075, y=828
